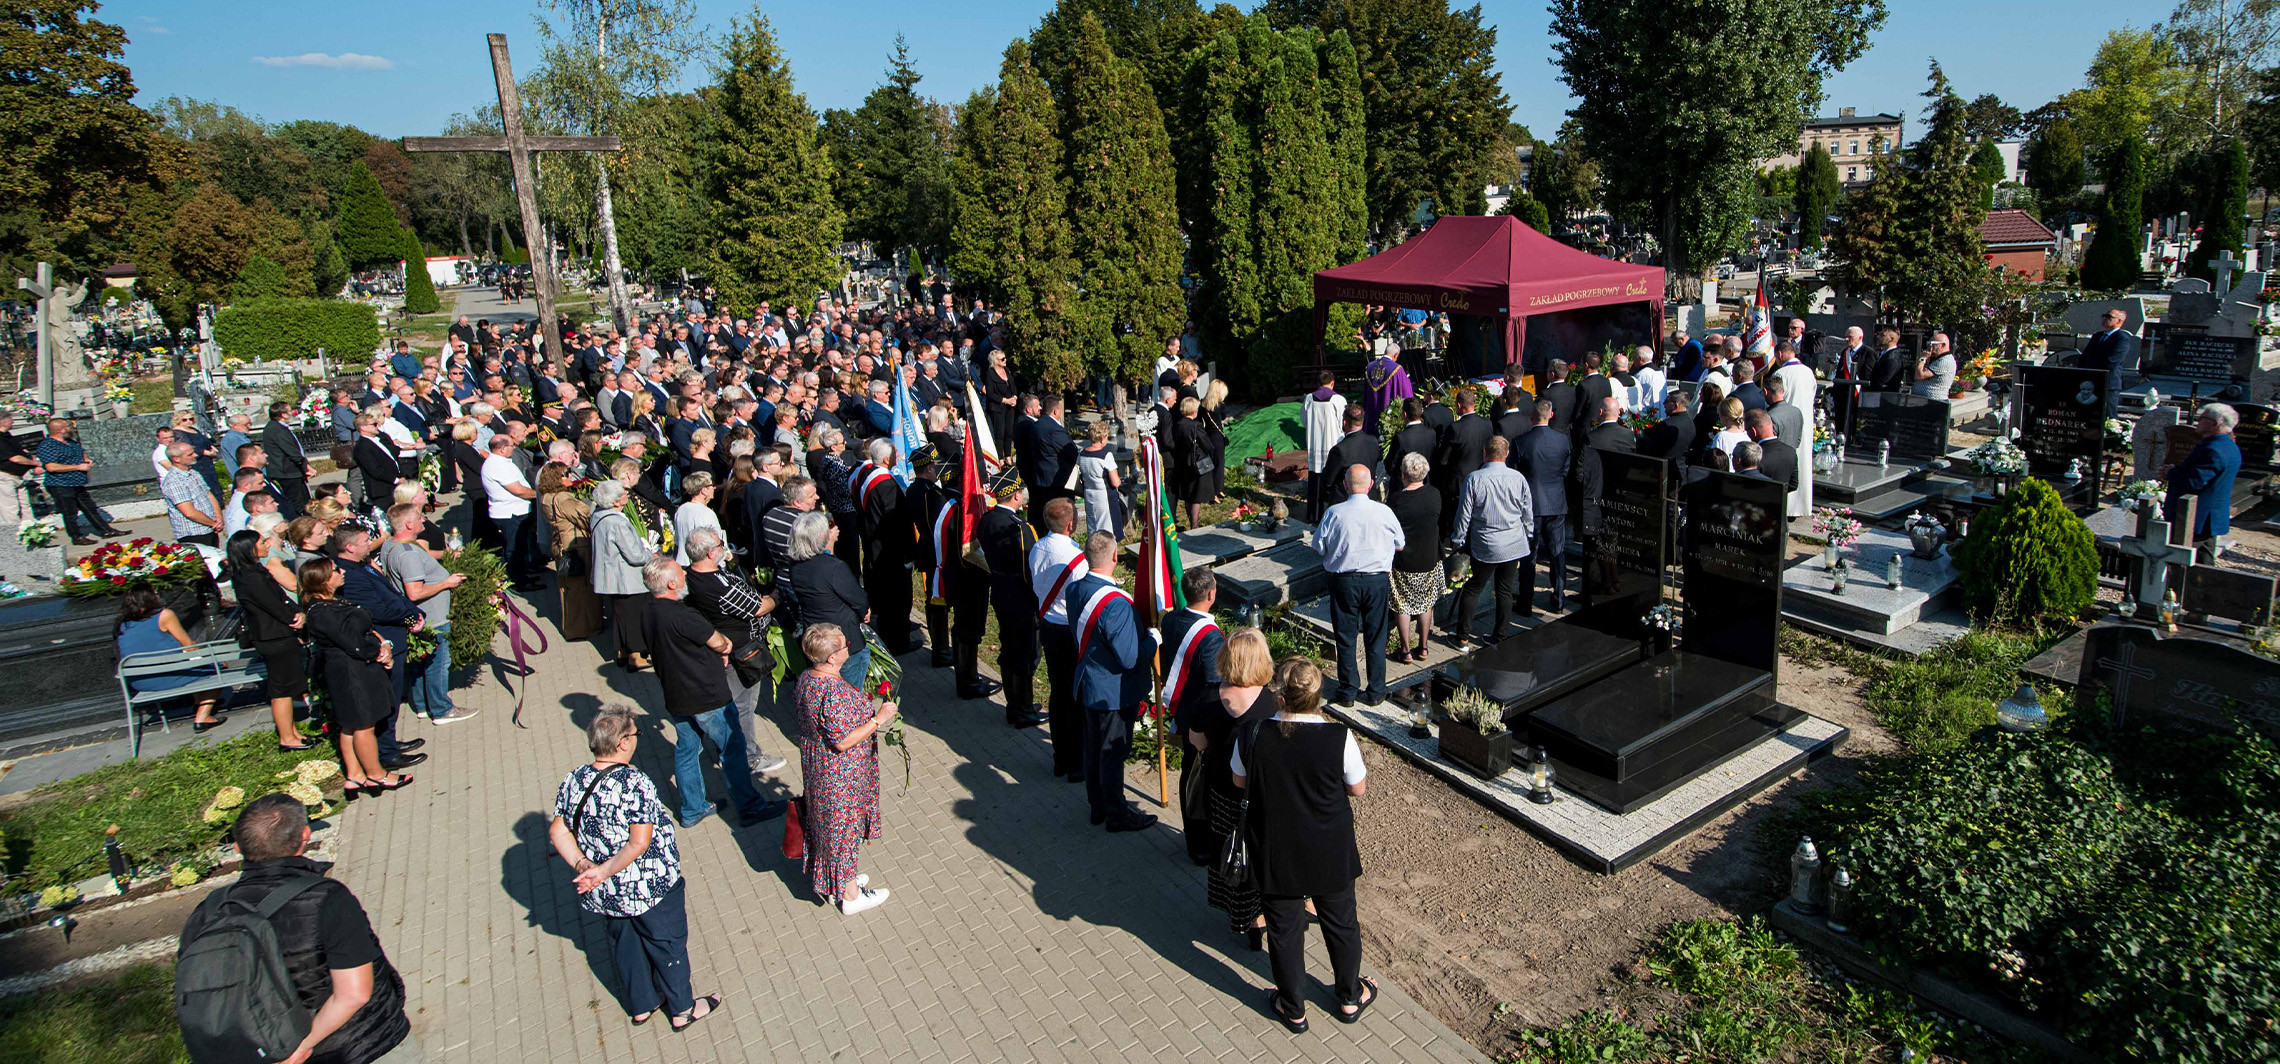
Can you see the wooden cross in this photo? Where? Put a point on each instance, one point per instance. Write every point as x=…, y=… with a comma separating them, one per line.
x=2155, y=550
x=518, y=146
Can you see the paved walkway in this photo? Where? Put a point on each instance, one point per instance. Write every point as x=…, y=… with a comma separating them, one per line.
x=1015, y=933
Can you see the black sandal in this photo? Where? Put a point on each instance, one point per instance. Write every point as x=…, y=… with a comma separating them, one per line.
x=1361, y=1006
x=1274, y=1005
x=712, y=1005
x=643, y=1018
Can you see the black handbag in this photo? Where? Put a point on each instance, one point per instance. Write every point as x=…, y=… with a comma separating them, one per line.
x=1234, y=865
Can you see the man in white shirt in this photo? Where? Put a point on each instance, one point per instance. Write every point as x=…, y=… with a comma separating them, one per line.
x=1358, y=538
x=1323, y=413
x=510, y=496
x=1652, y=380
x=1055, y=562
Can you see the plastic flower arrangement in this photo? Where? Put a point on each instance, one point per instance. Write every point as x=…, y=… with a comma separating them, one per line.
x=114, y=567
x=1997, y=458
x=1837, y=525
x=1663, y=618
x=2142, y=491
x=39, y=533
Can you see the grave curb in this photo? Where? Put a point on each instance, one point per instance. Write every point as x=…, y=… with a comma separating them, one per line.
x=1948, y=997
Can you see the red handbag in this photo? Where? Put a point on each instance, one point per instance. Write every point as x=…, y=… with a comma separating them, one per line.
x=795, y=836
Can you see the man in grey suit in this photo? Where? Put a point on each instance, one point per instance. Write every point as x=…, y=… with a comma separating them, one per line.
x=1543, y=456
x=1494, y=516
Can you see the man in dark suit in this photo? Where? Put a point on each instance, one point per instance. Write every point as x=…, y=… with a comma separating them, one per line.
x=1025, y=453
x=2110, y=349
x=1056, y=454
x=1891, y=370
x=1588, y=484
x=1594, y=389
x=1672, y=437
x=1746, y=387
x=1777, y=460
x=1415, y=437
x=890, y=540
x=376, y=461
x=1686, y=362
x=1515, y=412
x=1747, y=455
x=1438, y=415
x=1566, y=400
x=2207, y=474
x=285, y=463
x=1358, y=447
x=1190, y=667
x=1543, y=456
x=1005, y=539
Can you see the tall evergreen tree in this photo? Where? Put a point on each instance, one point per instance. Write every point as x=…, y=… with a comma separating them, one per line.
x=367, y=228
x=2223, y=218
x=1345, y=121
x=260, y=278
x=1122, y=212
x=897, y=177
x=1818, y=193
x=776, y=228
x=2055, y=168
x=419, y=289
x=2112, y=263
x=977, y=251
x=1987, y=166
x=1914, y=235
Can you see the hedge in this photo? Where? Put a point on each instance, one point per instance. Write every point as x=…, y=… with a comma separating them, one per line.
x=277, y=329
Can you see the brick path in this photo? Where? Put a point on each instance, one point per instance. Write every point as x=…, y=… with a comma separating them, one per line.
x=1015, y=932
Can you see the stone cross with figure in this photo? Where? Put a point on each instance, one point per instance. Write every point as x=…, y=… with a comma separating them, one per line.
x=518, y=146
x=55, y=347
x=2155, y=553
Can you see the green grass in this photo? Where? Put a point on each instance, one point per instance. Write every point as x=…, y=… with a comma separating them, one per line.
x=123, y=1019
x=1934, y=702
x=56, y=836
x=153, y=395
x=1717, y=991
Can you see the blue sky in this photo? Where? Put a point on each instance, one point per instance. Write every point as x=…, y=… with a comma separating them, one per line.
x=405, y=66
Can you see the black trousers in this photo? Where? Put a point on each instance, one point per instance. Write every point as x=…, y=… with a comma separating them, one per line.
x=850, y=545
x=1358, y=605
x=71, y=500
x=1507, y=577
x=938, y=631
x=1107, y=742
x=1064, y=723
x=1286, y=945
x=1551, y=550
x=292, y=495
x=1195, y=803
x=1017, y=646
x=626, y=611
x=887, y=585
x=969, y=616
x=209, y=539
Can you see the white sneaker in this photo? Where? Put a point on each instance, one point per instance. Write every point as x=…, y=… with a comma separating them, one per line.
x=865, y=899
x=454, y=717
x=862, y=879
x=766, y=763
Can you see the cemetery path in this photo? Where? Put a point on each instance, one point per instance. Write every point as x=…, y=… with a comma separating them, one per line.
x=1015, y=932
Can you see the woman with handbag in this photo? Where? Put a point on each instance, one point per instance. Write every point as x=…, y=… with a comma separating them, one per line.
x=1300, y=772
x=612, y=829
x=839, y=767
x=1246, y=676
x=1189, y=465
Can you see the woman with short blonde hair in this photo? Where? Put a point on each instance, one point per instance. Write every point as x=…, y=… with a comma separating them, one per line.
x=1246, y=697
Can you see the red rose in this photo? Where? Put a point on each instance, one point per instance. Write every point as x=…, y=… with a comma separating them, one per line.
x=886, y=688
x=143, y=542
x=119, y=580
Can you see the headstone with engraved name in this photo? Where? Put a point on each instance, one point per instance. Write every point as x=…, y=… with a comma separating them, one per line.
x=2179, y=683
x=2063, y=425
x=1917, y=427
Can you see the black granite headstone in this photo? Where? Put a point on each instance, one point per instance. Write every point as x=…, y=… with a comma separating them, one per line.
x=2195, y=355
x=2180, y=683
x=1736, y=536
x=1635, y=511
x=1917, y=427
x=2229, y=593
x=2064, y=420
x=2258, y=435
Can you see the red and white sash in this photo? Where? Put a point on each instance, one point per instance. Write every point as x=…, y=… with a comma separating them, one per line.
x=1089, y=616
x=943, y=549
x=1041, y=564
x=871, y=479
x=1175, y=677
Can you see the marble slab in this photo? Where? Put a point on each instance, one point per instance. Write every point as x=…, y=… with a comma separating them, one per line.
x=1867, y=603
x=1224, y=542
x=1289, y=573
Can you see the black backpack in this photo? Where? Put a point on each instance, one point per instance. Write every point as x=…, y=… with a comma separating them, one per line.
x=232, y=994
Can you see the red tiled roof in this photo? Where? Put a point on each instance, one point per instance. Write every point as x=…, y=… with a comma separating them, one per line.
x=2014, y=228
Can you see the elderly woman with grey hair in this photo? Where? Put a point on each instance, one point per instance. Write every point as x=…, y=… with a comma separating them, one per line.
x=1417, y=576
x=839, y=768
x=830, y=465
x=619, y=554
x=612, y=829
x=825, y=591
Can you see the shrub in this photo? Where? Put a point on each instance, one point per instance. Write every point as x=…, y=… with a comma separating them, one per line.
x=276, y=329
x=419, y=288
x=474, y=619
x=1934, y=701
x=259, y=279
x=2028, y=559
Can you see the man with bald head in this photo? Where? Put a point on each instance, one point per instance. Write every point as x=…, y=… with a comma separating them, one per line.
x=1358, y=538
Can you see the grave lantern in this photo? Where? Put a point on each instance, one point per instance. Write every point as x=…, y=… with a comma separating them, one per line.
x=1837, y=578
x=1840, y=899
x=1540, y=777
x=1805, y=877
x=1892, y=571
x=2023, y=711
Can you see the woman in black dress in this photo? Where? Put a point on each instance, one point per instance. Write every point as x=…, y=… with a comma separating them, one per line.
x=272, y=628
x=995, y=383
x=356, y=664
x=1302, y=771
x=1246, y=697
x=1184, y=467
x=474, y=524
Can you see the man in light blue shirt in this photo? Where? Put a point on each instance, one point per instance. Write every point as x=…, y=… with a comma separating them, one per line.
x=1494, y=513
x=240, y=433
x=1358, y=538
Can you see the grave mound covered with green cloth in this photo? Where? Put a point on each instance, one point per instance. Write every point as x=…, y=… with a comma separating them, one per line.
x=1276, y=426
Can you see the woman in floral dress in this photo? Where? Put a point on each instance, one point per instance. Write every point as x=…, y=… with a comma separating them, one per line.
x=839, y=766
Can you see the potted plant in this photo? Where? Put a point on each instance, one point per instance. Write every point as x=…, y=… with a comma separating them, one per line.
x=1473, y=734
x=1658, y=628
x=2145, y=495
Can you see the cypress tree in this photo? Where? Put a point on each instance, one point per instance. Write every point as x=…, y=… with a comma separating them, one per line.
x=367, y=229
x=776, y=226
x=1122, y=211
x=1817, y=194
x=976, y=255
x=2055, y=170
x=2221, y=220
x=2112, y=262
x=1044, y=313
x=1987, y=165
x=1345, y=121
x=419, y=289
x=332, y=270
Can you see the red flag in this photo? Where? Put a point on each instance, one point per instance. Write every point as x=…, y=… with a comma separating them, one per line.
x=971, y=500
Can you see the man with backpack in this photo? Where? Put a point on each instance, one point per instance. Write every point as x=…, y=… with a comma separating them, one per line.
x=284, y=965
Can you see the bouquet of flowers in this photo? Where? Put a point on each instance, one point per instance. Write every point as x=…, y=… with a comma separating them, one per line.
x=431, y=472
x=1837, y=525
x=1637, y=421
x=419, y=647
x=114, y=567
x=1984, y=365
x=1997, y=458
x=893, y=733
x=120, y=391
x=39, y=533
x=2139, y=492
x=1664, y=618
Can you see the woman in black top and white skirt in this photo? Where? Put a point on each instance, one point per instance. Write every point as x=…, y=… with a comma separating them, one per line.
x=1302, y=771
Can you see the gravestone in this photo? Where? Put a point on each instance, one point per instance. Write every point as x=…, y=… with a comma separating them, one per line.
x=2178, y=684
x=2087, y=316
x=1288, y=573
x=2149, y=441
x=35, y=569
x=2230, y=594
x=2258, y=436
x=1917, y=427
x=1869, y=606
x=2157, y=545
x=1222, y=543
x=2062, y=423
x=1634, y=546
x=2195, y=353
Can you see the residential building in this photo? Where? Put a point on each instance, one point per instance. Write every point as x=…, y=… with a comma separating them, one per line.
x=1855, y=142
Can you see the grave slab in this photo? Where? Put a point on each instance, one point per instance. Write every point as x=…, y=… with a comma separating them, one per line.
x=2180, y=682
x=1288, y=573
x=1225, y=542
x=1635, y=737
x=1594, y=838
x=1868, y=605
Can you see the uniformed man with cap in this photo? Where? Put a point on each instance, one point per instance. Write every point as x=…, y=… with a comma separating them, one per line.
x=1055, y=562
x=1005, y=539
x=928, y=501
x=890, y=543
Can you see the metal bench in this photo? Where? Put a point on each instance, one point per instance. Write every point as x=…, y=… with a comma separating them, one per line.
x=220, y=665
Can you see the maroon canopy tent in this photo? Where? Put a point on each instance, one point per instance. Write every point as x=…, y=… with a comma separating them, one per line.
x=1494, y=267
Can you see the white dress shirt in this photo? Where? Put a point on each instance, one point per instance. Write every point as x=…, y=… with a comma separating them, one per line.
x=1359, y=535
